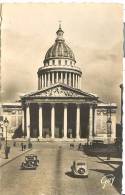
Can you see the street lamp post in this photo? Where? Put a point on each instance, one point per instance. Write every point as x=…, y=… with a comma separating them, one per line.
x=1, y=128
x=6, y=123
x=109, y=131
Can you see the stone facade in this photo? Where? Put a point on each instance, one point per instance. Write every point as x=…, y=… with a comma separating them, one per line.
x=60, y=109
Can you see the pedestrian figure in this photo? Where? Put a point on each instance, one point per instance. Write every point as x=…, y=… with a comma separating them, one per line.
x=29, y=145
x=14, y=144
x=7, y=151
x=79, y=147
x=72, y=145
x=22, y=146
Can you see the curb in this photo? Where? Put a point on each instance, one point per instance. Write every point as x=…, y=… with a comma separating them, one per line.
x=108, y=163
x=14, y=158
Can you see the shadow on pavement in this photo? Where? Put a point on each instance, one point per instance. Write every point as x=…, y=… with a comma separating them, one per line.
x=70, y=174
x=106, y=172
x=112, y=162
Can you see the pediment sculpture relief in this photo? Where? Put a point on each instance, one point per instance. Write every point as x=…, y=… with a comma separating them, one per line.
x=59, y=92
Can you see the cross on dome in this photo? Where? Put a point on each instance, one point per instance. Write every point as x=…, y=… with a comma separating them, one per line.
x=60, y=23
x=59, y=32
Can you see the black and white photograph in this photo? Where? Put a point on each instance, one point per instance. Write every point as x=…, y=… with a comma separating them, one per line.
x=61, y=98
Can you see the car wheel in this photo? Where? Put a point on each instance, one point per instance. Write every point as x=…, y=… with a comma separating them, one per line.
x=81, y=170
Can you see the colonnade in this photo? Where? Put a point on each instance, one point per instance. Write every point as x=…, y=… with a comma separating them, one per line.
x=65, y=122
x=50, y=78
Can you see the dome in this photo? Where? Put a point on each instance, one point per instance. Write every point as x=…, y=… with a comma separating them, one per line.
x=59, y=50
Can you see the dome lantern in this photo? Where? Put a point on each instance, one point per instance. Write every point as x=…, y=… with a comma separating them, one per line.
x=60, y=33
x=59, y=50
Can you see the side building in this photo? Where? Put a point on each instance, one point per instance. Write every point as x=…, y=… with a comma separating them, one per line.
x=13, y=113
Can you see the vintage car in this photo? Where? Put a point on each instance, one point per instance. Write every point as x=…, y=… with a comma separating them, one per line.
x=31, y=162
x=79, y=168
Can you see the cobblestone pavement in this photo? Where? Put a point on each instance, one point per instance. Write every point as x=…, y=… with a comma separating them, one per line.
x=52, y=176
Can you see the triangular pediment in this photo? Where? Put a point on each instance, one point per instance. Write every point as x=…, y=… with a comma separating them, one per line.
x=60, y=90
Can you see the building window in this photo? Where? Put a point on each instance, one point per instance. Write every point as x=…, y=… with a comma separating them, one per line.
x=59, y=62
x=70, y=62
x=53, y=62
x=13, y=121
x=65, y=62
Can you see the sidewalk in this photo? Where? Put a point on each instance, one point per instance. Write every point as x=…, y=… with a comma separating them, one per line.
x=15, y=152
x=102, y=153
x=113, y=162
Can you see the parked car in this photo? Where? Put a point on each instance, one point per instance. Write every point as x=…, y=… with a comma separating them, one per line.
x=31, y=162
x=79, y=168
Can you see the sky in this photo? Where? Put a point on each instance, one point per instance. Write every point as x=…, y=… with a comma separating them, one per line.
x=93, y=31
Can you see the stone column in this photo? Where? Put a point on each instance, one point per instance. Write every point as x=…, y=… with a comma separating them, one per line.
x=78, y=121
x=53, y=120
x=38, y=82
x=113, y=125
x=66, y=78
x=28, y=121
x=70, y=79
x=61, y=77
x=57, y=77
x=52, y=77
x=76, y=81
x=42, y=81
x=79, y=82
x=48, y=79
x=95, y=114
x=73, y=79
x=65, y=120
x=45, y=80
x=40, y=120
x=23, y=122
x=90, y=122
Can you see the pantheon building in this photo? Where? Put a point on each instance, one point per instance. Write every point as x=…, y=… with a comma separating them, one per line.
x=59, y=109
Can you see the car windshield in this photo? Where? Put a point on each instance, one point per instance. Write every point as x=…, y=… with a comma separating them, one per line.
x=80, y=163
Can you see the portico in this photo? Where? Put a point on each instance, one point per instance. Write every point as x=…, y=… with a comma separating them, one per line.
x=59, y=117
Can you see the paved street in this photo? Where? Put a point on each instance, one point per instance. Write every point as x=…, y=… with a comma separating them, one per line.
x=52, y=176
